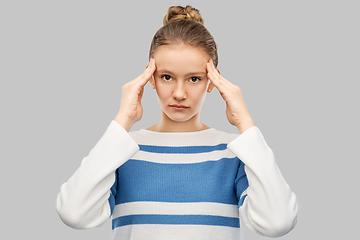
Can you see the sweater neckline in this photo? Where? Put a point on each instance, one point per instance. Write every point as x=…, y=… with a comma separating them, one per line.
x=175, y=138
x=202, y=137
x=178, y=133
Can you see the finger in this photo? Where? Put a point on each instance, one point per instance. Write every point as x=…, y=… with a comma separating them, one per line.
x=216, y=76
x=146, y=75
x=212, y=67
x=216, y=73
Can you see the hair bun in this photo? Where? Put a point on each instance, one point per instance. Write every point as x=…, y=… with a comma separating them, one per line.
x=178, y=13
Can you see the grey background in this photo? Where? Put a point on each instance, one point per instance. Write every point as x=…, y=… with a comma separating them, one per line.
x=63, y=64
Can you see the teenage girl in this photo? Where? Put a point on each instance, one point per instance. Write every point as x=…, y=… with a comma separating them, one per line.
x=180, y=179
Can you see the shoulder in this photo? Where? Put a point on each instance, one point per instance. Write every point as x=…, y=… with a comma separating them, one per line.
x=137, y=135
x=226, y=136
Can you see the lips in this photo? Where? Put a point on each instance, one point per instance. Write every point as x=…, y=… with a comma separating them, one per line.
x=178, y=106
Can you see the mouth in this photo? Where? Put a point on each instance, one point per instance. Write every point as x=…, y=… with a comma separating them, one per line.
x=178, y=107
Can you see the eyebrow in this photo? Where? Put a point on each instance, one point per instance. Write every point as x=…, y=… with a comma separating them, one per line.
x=163, y=71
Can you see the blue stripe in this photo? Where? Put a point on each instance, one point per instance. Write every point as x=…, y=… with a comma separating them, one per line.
x=113, y=192
x=210, y=181
x=184, y=149
x=241, y=183
x=176, y=219
x=111, y=203
x=242, y=200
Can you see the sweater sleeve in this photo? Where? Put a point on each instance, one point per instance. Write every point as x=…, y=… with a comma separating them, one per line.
x=269, y=207
x=86, y=200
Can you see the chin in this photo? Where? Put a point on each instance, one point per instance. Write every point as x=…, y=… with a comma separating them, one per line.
x=178, y=117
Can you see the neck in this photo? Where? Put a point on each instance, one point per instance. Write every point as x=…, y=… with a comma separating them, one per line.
x=168, y=125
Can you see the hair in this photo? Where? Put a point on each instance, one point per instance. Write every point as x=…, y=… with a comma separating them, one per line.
x=184, y=25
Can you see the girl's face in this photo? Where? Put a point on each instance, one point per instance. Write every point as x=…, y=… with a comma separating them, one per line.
x=181, y=78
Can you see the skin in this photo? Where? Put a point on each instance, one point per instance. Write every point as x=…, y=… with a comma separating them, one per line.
x=173, y=73
x=180, y=71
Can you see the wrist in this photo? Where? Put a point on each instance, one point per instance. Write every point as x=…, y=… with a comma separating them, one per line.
x=125, y=122
x=246, y=125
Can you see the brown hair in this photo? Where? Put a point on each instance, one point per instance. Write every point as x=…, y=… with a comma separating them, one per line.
x=185, y=25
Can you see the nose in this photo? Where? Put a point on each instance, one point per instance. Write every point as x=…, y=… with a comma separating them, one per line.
x=179, y=90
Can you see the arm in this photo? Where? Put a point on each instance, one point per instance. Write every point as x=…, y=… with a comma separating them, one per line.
x=86, y=199
x=267, y=206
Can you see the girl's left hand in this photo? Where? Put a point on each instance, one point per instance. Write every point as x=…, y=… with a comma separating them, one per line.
x=236, y=110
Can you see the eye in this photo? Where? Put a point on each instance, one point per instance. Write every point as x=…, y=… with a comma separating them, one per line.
x=166, y=77
x=196, y=79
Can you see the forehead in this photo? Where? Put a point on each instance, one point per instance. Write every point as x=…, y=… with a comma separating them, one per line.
x=180, y=58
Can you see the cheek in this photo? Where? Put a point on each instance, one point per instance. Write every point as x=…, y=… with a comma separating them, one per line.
x=196, y=91
x=163, y=91
x=197, y=94
x=200, y=88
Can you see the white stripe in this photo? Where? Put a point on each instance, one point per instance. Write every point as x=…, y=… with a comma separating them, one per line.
x=182, y=158
x=176, y=232
x=209, y=137
x=166, y=208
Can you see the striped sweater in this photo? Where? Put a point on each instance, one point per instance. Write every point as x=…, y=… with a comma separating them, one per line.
x=183, y=185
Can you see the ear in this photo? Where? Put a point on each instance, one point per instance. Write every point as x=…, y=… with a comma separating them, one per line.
x=210, y=87
x=152, y=82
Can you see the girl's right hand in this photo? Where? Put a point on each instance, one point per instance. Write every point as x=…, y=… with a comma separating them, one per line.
x=130, y=107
